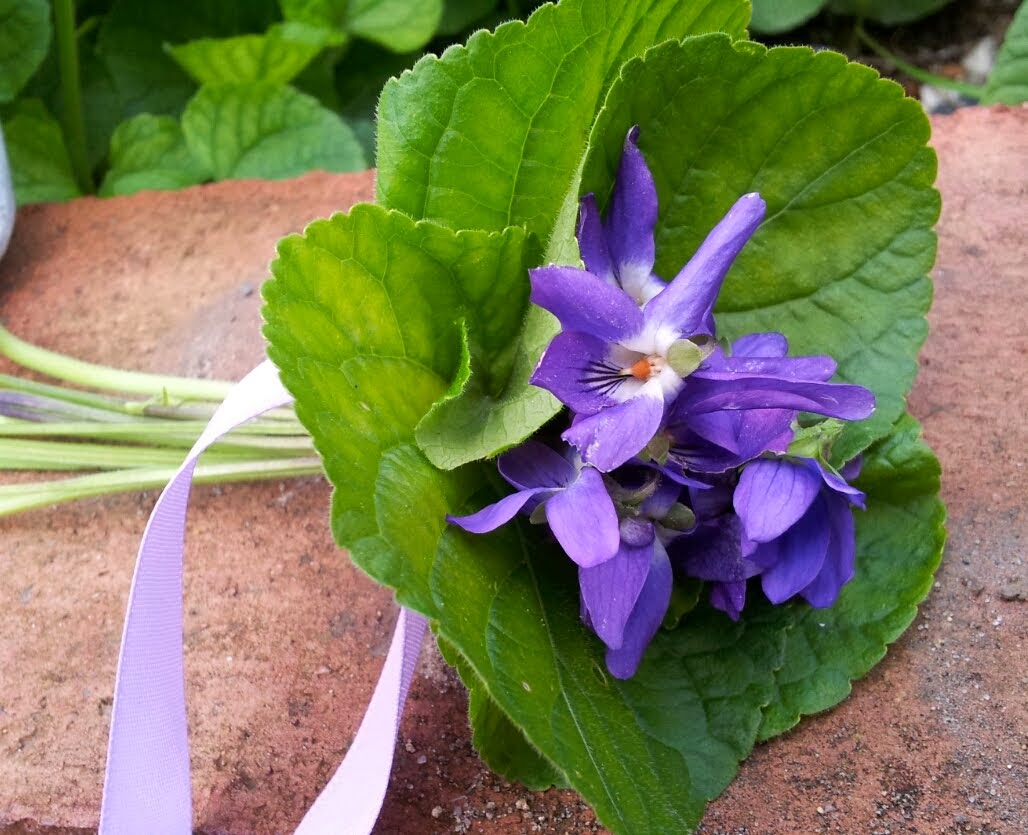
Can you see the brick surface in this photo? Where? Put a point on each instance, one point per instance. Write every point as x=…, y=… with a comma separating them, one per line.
x=284, y=638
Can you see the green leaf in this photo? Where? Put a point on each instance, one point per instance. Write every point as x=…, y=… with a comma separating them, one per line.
x=899, y=542
x=149, y=152
x=40, y=165
x=839, y=265
x=277, y=56
x=265, y=130
x=24, y=41
x=458, y=15
x=472, y=422
x=139, y=75
x=398, y=25
x=773, y=16
x=491, y=134
x=1008, y=81
x=887, y=12
x=496, y=739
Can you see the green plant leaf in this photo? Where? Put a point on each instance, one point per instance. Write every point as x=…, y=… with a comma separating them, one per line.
x=773, y=16
x=458, y=15
x=839, y=265
x=139, y=75
x=40, y=166
x=24, y=41
x=498, y=741
x=899, y=540
x=277, y=56
x=398, y=25
x=149, y=152
x=268, y=131
x=887, y=12
x=1008, y=81
x=491, y=134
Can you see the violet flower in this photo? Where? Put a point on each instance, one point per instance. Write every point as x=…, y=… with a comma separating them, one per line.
x=733, y=408
x=797, y=512
x=716, y=550
x=625, y=599
x=619, y=366
x=578, y=508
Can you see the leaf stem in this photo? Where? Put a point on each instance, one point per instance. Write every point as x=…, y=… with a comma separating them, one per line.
x=71, y=92
x=973, y=91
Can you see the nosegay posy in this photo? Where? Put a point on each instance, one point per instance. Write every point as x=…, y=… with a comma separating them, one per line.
x=678, y=457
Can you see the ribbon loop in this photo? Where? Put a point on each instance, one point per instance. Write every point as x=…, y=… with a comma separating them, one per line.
x=147, y=781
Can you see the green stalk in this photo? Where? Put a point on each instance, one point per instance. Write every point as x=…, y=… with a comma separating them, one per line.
x=79, y=372
x=173, y=433
x=15, y=498
x=973, y=91
x=166, y=392
x=26, y=454
x=71, y=92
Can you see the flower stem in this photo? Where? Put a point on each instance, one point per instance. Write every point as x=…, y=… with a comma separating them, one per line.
x=49, y=455
x=169, y=433
x=79, y=372
x=15, y=498
x=71, y=91
x=970, y=90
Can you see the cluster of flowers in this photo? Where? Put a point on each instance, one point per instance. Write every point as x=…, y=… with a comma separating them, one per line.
x=683, y=456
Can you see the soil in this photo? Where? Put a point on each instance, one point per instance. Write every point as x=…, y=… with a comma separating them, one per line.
x=938, y=43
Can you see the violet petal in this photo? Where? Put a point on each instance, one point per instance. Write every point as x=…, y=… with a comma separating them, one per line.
x=490, y=517
x=611, y=589
x=646, y=617
x=592, y=240
x=729, y=598
x=772, y=495
x=686, y=302
x=613, y=435
x=533, y=464
x=703, y=394
x=840, y=486
x=567, y=369
x=840, y=555
x=585, y=302
x=770, y=344
x=632, y=214
x=801, y=554
x=583, y=519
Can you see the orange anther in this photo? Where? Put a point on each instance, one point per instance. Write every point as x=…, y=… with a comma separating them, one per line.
x=641, y=370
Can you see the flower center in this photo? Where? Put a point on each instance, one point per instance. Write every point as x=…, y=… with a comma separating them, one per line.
x=645, y=368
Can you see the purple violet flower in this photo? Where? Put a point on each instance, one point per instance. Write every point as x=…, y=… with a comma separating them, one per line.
x=616, y=364
x=797, y=512
x=578, y=508
x=625, y=599
x=733, y=408
x=716, y=550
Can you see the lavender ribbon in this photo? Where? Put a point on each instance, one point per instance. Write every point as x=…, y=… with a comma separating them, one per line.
x=147, y=785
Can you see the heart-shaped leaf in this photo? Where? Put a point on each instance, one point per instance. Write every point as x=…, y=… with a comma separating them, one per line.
x=268, y=131
x=840, y=263
x=490, y=134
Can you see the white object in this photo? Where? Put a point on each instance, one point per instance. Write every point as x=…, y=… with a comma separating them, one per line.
x=6, y=198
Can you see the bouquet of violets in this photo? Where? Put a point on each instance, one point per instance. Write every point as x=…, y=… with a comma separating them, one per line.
x=683, y=455
x=739, y=514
